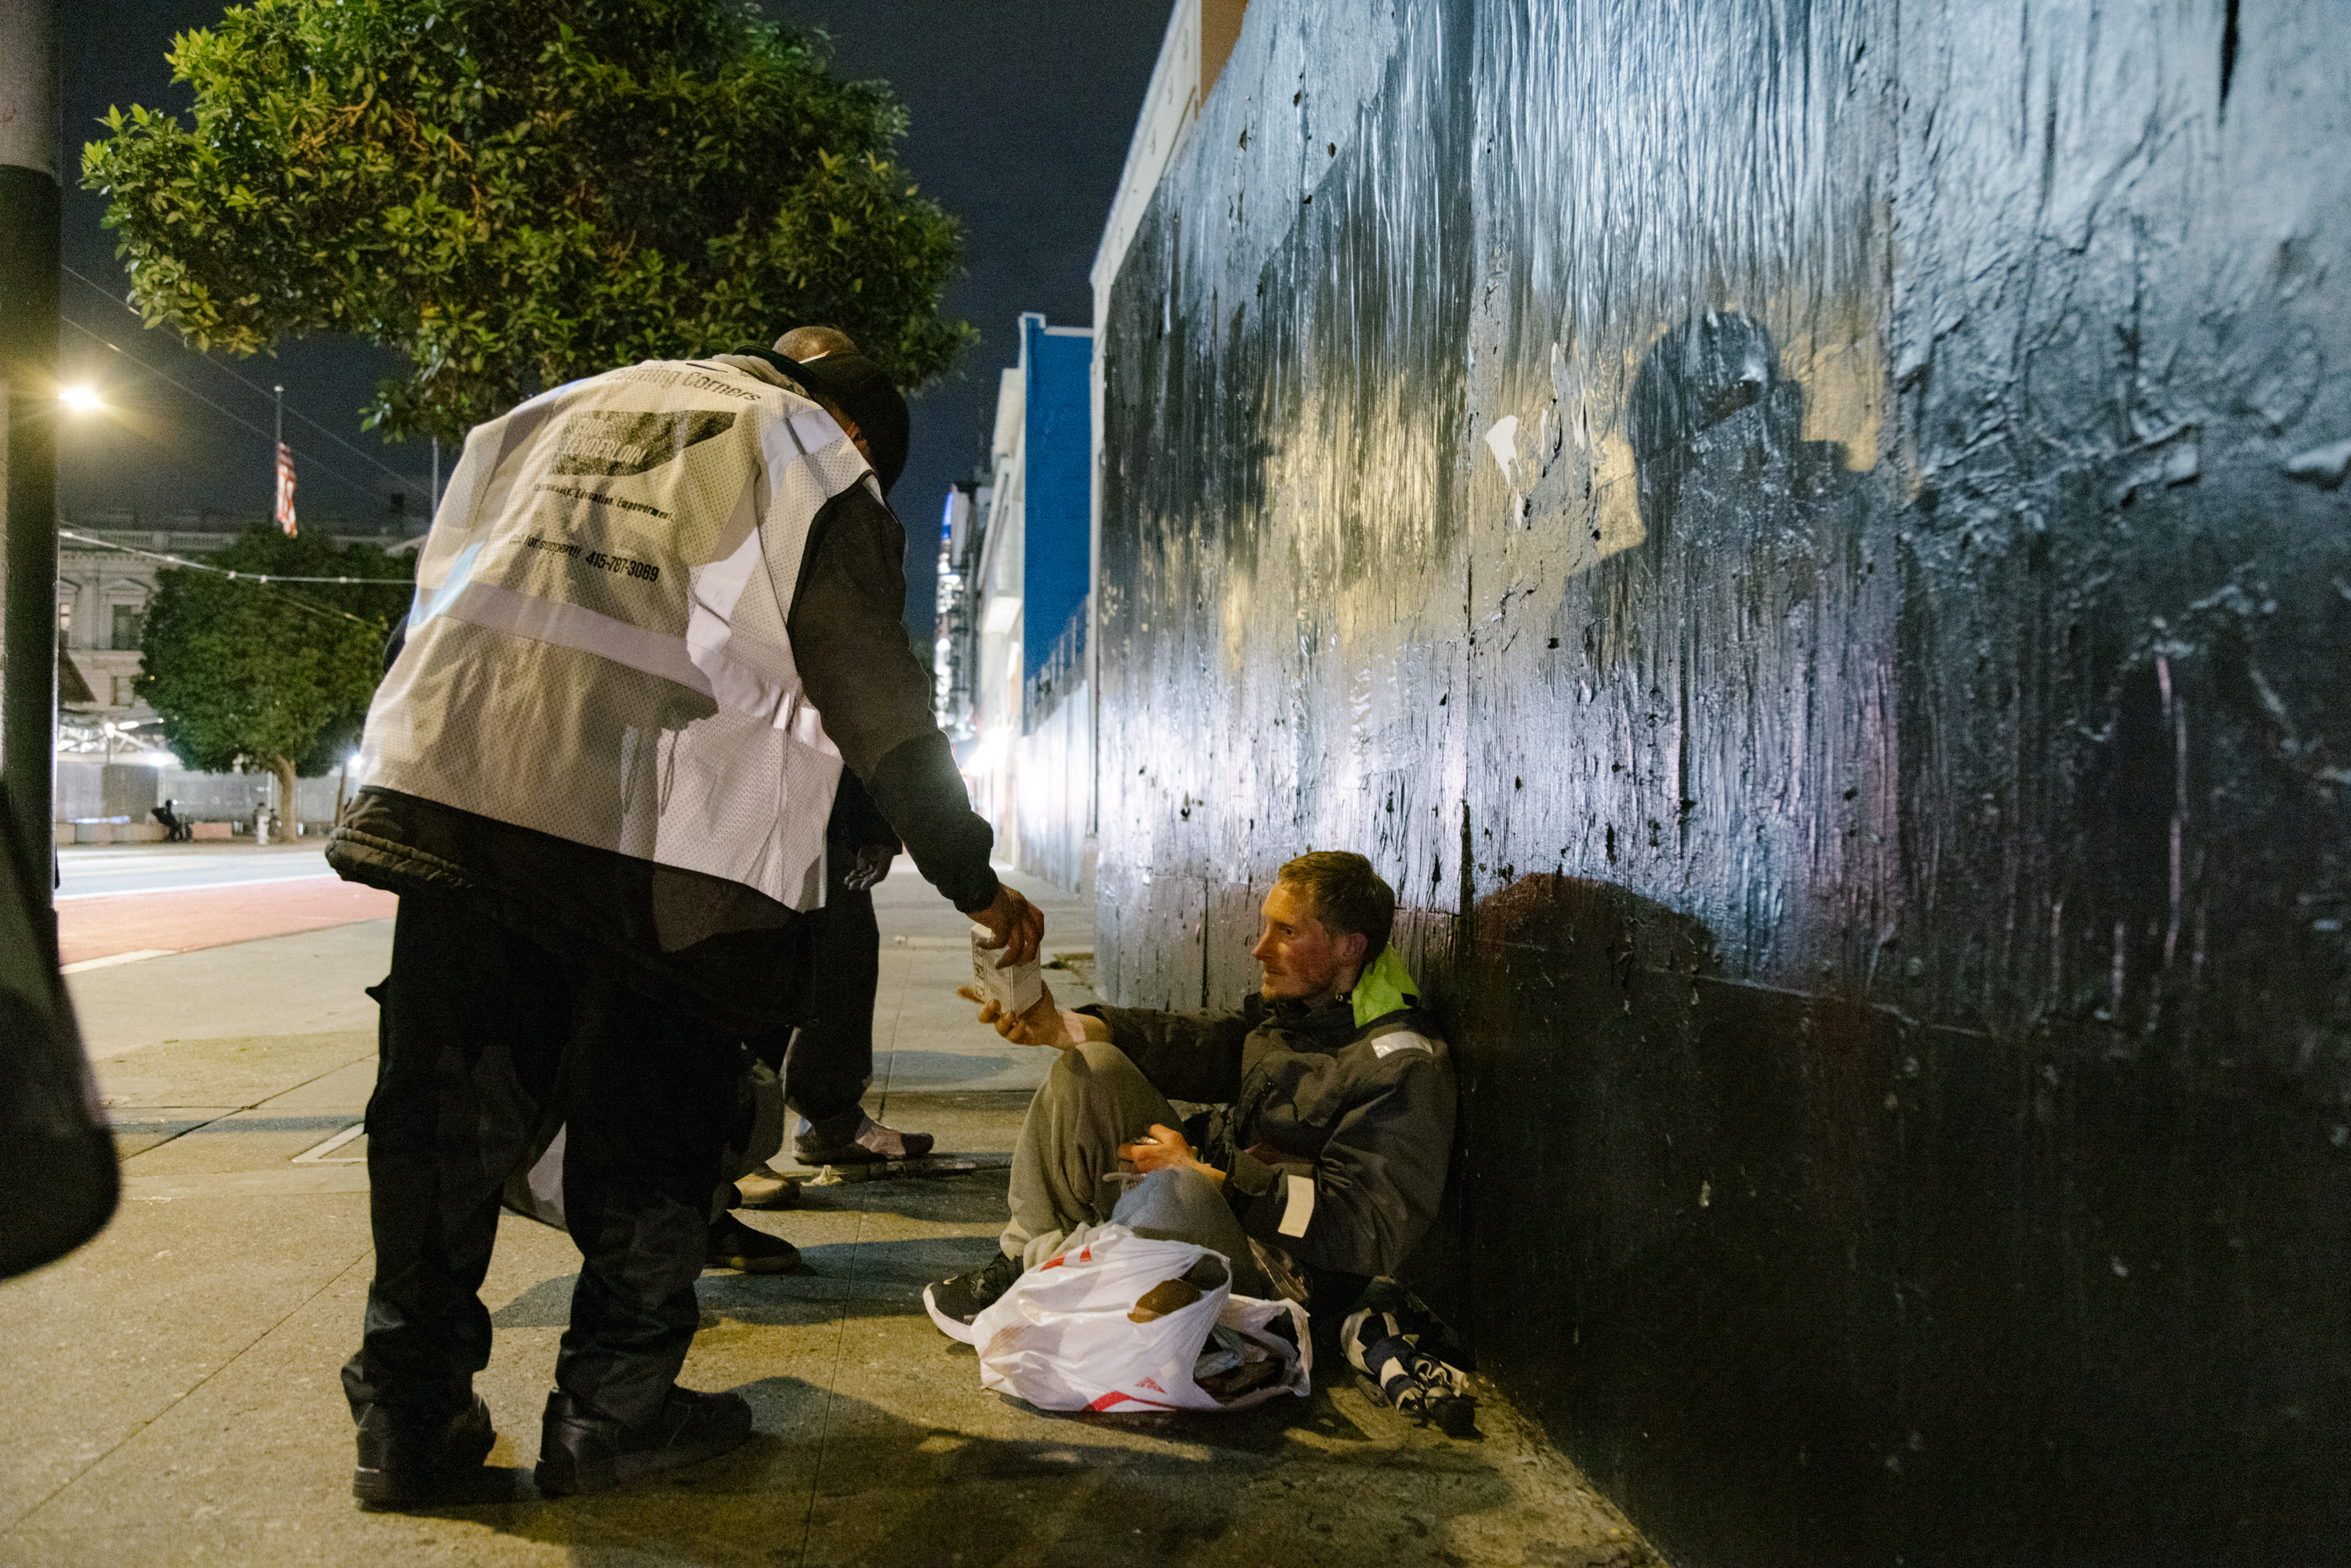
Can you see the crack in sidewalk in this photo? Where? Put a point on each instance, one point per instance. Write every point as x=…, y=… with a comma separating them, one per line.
x=189, y=1392
x=238, y=1110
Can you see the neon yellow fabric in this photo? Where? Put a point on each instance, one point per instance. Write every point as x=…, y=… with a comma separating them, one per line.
x=1383, y=987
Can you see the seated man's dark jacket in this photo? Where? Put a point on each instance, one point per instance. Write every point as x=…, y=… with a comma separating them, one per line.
x=1367, y=1112
x=726, y=944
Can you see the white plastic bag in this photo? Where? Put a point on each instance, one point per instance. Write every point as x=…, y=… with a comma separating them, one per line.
x=1117, y=1322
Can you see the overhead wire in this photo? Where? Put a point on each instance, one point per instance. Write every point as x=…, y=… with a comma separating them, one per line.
x=266, y=580
x=361, y=453
x=315, y=464
x=150, y=369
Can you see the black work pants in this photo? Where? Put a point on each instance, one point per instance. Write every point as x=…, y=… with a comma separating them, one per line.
x=479, y=1031
x=830, y=1060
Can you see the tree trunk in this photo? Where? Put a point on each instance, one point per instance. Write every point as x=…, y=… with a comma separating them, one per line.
x=286, y=815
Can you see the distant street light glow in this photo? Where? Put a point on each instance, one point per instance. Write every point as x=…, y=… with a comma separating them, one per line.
x=988, y=754
x=81, y=399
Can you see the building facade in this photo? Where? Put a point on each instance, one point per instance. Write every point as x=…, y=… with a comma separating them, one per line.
x=110, y=764
x=1014, y=608
x=954, y=650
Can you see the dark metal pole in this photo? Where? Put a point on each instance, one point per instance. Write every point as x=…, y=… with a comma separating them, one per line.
x=30, y=132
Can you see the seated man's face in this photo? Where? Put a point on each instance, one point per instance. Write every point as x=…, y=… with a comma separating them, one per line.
x=1300, y=958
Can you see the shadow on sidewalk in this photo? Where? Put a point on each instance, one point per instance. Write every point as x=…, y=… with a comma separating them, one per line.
x=850, y=1278
x=869, y=1488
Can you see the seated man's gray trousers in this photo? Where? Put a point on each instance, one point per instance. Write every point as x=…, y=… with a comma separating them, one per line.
x=1065, y=1168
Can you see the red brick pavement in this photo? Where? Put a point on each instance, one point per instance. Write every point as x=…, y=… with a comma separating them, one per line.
x=176, y=920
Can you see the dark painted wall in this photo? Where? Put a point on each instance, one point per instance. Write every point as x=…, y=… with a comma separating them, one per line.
x=1867, y=776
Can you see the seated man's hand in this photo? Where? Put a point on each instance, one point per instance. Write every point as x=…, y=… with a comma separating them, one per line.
x=1166, y=1149
x=1017, y=925
x=1043, y=1024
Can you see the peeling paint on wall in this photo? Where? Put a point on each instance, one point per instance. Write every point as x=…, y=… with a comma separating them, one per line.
x=1867, y=744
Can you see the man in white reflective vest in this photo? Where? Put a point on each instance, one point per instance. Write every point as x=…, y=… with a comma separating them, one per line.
x=657, y=614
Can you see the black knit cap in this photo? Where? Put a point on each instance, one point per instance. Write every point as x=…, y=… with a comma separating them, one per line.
x=863, y=391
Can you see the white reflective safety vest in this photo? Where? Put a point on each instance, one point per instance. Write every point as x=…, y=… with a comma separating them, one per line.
x=598, y=648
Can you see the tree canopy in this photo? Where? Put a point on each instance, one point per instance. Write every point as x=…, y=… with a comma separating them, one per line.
x=273, y=678
x=512, y=194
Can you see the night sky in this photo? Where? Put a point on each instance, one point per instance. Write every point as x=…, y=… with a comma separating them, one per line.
x=1022, y=110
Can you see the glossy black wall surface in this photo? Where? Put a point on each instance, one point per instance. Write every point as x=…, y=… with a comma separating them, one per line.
x=1865, y=753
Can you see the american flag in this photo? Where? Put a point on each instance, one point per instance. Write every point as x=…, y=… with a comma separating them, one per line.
x=286, y=488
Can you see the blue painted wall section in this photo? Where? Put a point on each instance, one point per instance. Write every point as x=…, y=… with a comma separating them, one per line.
x=1059, y=502
x=1806, y=539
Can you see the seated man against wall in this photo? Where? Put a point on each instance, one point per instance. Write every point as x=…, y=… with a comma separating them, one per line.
x=1325, y=1157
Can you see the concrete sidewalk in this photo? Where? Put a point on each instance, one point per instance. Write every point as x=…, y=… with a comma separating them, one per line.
x=171, y=1391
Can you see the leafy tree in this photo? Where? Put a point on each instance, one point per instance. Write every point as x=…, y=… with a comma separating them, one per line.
x=267, y=677
x=512, y=194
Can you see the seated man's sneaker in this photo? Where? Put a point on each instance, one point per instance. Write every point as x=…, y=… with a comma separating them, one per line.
x=953, y=1304
x=860, y=1140
x=579, y=1452
x=735, y=1245
x=404, y=1459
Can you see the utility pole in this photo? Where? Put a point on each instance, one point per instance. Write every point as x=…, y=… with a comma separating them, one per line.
x=30, y=132
x=285, y=470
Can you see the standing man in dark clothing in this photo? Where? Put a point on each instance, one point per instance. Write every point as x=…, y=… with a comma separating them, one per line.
x=827, y=1064
x=658, y=613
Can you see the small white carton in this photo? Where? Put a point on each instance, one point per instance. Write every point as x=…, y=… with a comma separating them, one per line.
x=1015, y=989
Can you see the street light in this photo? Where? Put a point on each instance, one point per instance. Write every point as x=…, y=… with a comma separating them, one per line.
x=81, y=399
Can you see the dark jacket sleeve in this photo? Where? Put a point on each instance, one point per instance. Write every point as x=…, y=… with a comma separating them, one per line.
x=849, y=641
x=1377, y=1182
x=1187, y=1056
x=856, y=821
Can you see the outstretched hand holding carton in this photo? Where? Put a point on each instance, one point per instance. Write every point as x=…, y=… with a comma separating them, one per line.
x=1017, y=925
x=1043, y=1023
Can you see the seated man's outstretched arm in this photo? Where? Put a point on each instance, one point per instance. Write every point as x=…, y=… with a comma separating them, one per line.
x=1045, y=1022
x=1187, y=1056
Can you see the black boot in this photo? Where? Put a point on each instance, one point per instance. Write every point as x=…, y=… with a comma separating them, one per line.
x=579, y=1452
x=406, y=1459
x=735, y=1245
